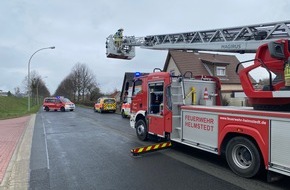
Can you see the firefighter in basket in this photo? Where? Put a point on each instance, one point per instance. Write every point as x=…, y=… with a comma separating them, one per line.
x=118, y=37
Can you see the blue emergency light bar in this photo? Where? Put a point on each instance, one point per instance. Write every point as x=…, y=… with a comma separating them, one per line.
x=137, y=74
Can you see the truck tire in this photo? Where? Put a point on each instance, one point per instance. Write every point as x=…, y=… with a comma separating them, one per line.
x=141, y=130
x=243, y=157
x=46, y=108
x=62, y=109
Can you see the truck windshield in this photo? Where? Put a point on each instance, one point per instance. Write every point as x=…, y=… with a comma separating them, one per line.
x=137, y=87
x=65, y=100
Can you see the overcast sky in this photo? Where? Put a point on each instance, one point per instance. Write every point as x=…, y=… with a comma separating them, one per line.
x=78, y=29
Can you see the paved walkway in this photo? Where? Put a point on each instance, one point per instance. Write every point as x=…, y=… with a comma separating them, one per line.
x=11, y=136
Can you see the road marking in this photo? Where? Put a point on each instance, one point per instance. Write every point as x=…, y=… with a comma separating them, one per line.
x=48, y=121
x=45, y=141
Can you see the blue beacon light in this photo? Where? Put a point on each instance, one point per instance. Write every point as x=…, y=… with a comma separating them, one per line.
x=137, y=74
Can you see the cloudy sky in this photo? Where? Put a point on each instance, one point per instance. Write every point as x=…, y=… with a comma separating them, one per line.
x=78, y=29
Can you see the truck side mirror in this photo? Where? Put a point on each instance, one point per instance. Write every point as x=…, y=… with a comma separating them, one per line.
x=276, y=50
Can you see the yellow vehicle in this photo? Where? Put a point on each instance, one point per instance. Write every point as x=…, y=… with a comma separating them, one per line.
x=105, y=104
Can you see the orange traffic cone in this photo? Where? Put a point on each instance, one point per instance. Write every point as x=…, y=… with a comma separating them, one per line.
x=205, y=94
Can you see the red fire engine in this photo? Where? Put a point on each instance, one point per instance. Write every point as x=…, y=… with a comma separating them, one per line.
x=187, y=109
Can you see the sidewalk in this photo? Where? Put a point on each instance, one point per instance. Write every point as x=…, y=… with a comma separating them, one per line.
x=12, y=132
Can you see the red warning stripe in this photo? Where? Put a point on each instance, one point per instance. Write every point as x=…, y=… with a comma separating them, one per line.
x=151, y=148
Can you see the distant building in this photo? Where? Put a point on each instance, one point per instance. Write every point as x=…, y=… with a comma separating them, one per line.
x=116, y=95
x=3, y=93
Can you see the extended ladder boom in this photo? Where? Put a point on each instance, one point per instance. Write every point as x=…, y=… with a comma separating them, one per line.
x=245, y=39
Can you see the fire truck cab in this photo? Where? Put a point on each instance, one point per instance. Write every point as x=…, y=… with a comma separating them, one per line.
x=156, y=106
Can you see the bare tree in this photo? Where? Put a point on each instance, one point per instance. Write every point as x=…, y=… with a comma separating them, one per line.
x=17, y=91
x=83, y=80
x=86, y=80
x=42, y=88
x=79, y=85
x=66, y=88
x=76, y=80
x=94, y=92
x=36, y=86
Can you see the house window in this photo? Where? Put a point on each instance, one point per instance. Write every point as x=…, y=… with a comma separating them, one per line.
x=172, y=72
x=221, y=71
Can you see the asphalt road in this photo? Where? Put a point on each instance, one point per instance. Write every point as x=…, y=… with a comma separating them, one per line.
x=88, y=150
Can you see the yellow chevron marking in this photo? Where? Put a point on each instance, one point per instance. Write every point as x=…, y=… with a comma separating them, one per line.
x=148, y=148
x=156, y=146
x=164, y=145
x=112, y=106
x=140, y=150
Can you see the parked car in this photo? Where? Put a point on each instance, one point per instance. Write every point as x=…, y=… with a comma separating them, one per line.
x=58, y=103
x=105, y=104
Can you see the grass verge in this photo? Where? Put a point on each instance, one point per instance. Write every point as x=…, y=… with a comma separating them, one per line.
x=12, y=107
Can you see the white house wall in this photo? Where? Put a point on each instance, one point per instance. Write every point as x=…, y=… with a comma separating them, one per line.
x=172, y=67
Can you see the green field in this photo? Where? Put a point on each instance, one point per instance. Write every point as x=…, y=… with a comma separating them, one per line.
x=11, y=107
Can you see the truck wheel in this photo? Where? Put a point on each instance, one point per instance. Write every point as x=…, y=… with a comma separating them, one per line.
x=62, y=109
x=46, y=108
x=243, y=157
x=141, y=130
x=123, y=114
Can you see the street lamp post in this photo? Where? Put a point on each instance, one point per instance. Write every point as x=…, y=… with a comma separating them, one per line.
x=37, y=98
x=28, y=77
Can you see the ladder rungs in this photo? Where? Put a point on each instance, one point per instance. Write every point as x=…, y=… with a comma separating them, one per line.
x=223, y=39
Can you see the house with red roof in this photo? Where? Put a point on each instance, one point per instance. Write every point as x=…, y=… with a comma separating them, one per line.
x=219, y=65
